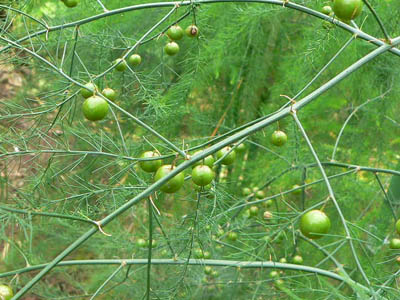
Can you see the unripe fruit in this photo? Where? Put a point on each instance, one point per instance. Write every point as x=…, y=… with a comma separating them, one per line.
x=279, y=138
x=314, y=224
x=95, y=108
x=70, y=3
x=192, y=31
x=150, y=165
x=109, y=94
x=171, y=48
x=175, y=32
x=394, y=243
x=6, y=293
x=347, y=10
x=232, y=236
x=172, y=185
x=208, y=160
x=297, y=259
x=87, y=93
x=134, y=60
x=122, y=65
x=202, y=175
x=229, y=159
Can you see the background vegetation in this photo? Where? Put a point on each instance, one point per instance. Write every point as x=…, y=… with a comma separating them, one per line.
x=248, y=59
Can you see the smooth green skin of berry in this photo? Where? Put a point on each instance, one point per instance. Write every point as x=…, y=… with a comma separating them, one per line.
x=269, y=203
x=70, y=3
x=232, y=236
x=298, y=191
x=86, y=93
x=198, y=253
x=279, y=138
x=253, y=210
x=95, y=108
x=398, y=226
x=279, y=282
x=134, y=60
x=229, y=159
x=347, y=10
x=207, y=254
x=122, y=66
x=141, y=243
x=327, y=10
x=208, y=160
x=283, y=260
x=172, y=185
x=175, y=32
x=202, y=175
x=240, y=148
x=314, y=224
x=246, y=191
x=220, y=232
x=171, y=48
x=150, y=166
x=267, y=215
x=297, y=259
x=109, y=94
x=6, y=293
x=207, y=270
x=394, y=244
x=260, y=195
x=192, y=31
x=273, y=274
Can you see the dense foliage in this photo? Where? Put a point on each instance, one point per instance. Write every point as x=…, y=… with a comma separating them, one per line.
x=66, y=165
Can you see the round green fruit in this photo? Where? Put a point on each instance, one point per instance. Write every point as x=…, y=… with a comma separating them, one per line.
x=198, y=253
x=150, y=165
x=274, y=274
x=229, y=159
x=347, y=10
x=207, y=254
x=202, y=175
x=134, y=60
x=394, y=244
x=267, y=215
x=171, y=48
x=327, y=10
x=192, y=31
x=109, y=94
x=283, y=260
x=260, y=194
x=95, y=108
x=297, y=259
x=240, y=148
x=86, y=93
x=220, y=232
x=269, y=203
x=122, y=65
x=141, y=243
x=298, y=191
x=172, y=185
x=175, y=32
x=246, y=191
x=208, y=270
x=314, y=224
x=279, y=138
x=253, y=210
x=398, y=226
x=70, y=3
x=6, y=293
x=232, y=236
x=208, y=160
x=279, y=282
